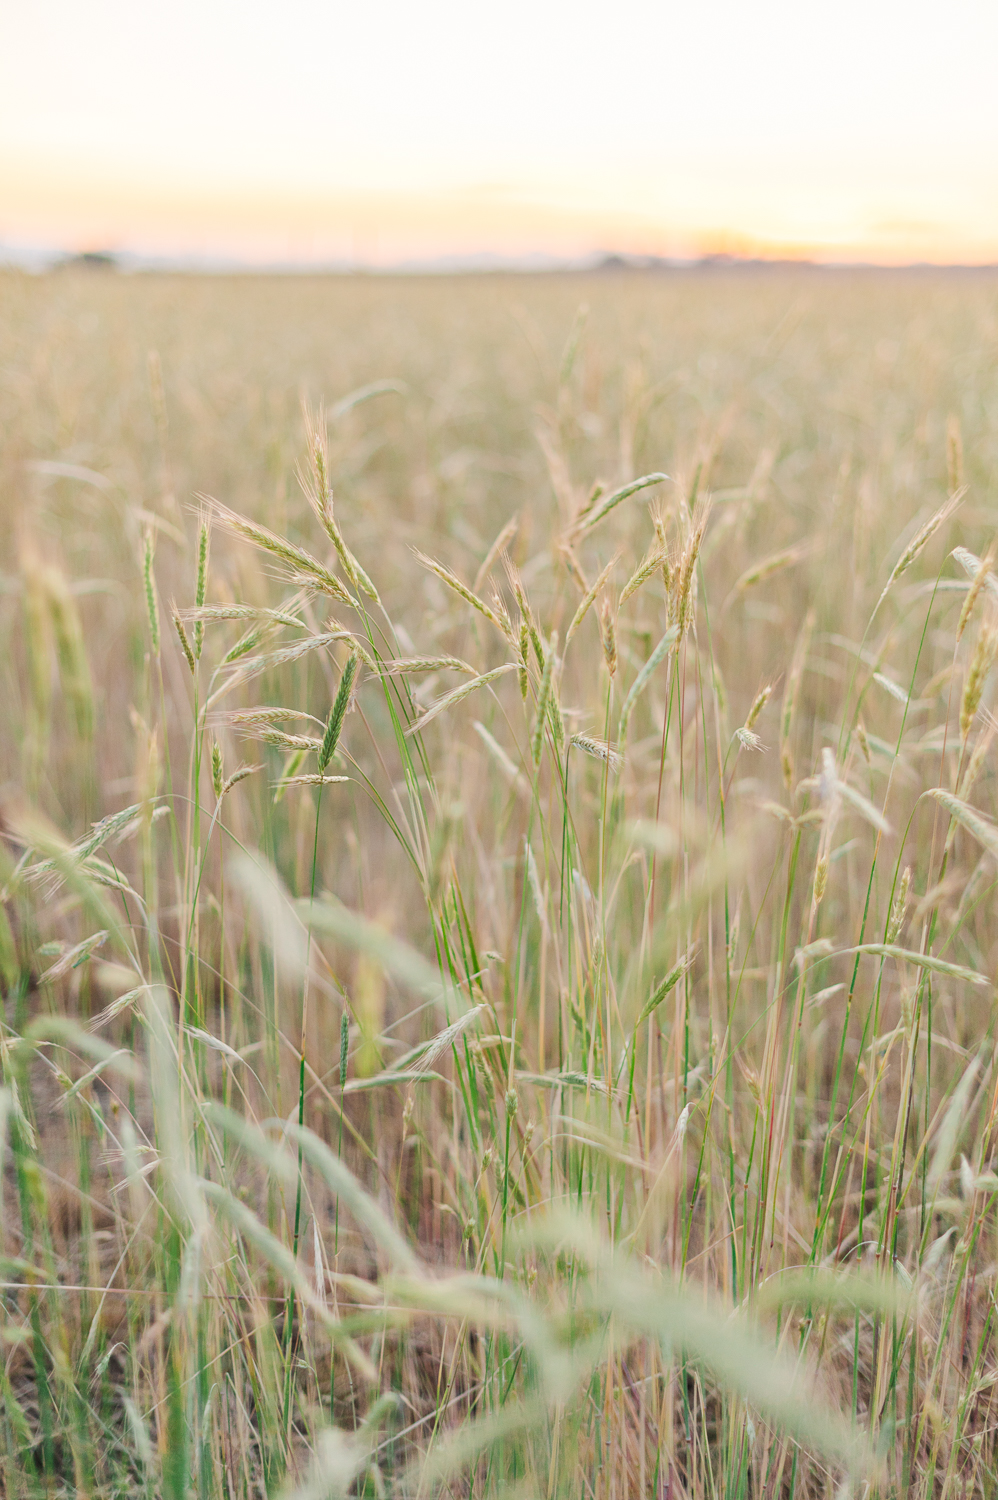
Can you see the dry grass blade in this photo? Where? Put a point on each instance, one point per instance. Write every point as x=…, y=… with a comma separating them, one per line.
x=331, y=918
x=494, y=748
x=277, y=1254
x=366, y=393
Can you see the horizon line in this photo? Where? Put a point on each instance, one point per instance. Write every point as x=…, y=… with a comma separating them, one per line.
x=45, y=259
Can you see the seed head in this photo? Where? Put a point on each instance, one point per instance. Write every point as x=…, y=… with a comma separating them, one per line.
x=733, y=935
x=685, y=582
x=759, y=702
x=238, y=775
x=864, y=743
x=599, y=750
x=978, y=756
x=524, y=673
x=502, y=614
x=978, y=581
x=338, y=713
x=608, y=635
x=920, y=539
x=899, y=907
x=344, y=1046
x=980, y=665
x=217, y=776
x=185, y=644
x=202, y=585
x=543, y=698
x=654, y=558
x=149, y=581
x=461, y=589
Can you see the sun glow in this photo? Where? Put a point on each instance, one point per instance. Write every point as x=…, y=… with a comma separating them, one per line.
x=380, y=137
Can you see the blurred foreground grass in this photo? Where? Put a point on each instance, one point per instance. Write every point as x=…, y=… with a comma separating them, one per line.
x=580, y=1081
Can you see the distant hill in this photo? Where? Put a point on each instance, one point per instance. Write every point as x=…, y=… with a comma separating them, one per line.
x=91, y=260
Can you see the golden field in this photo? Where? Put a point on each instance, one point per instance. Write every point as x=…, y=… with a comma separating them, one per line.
x=499, y=956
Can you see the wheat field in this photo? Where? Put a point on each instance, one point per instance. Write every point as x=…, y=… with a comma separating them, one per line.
x=498, y=936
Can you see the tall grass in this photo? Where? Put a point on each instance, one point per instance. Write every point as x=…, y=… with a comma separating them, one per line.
x=497, y=928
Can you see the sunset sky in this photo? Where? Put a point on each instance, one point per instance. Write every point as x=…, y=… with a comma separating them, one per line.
x=391, y=132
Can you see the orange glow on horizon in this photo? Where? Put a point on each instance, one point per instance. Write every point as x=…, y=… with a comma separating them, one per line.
x=66, y=208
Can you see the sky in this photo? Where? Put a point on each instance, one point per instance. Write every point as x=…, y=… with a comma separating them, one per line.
x=386, y=132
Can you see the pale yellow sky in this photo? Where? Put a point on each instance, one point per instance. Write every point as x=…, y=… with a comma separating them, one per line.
x=391, y=132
